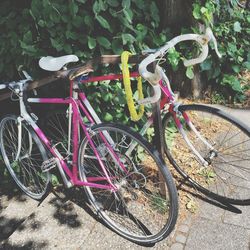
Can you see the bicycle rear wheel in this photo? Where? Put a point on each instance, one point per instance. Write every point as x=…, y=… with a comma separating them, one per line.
x=227, y=175
x=26, y=170
x=145, y=206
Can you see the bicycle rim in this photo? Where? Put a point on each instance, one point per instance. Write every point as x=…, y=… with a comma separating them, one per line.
x=26, y=170
x=227, y=175
x=144, y=208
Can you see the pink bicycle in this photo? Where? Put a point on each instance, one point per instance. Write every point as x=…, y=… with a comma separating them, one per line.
x=125, y=178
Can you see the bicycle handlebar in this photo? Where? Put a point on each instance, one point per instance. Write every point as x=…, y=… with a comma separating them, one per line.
x=7, y=85
x=203, y=40
x=156, y=96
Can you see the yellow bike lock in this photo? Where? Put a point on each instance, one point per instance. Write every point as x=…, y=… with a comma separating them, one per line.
x=128, y=91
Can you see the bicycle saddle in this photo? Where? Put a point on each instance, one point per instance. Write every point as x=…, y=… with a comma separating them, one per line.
x=50, y=63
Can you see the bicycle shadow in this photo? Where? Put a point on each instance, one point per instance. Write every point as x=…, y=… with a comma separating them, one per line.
x=9, y=192
x=73, y=195
x=187, y=187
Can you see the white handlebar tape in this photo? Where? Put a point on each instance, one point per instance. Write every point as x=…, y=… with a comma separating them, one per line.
x=200, y=59
x=203, y=40
x=153, y=99
x=3, y=86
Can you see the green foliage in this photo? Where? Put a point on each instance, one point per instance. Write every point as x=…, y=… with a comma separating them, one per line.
x=81, y=27
x=232, y=30
x=85, y=28
x=190, y=72
x=173, y=57
x=218, y=98
x=204, y=12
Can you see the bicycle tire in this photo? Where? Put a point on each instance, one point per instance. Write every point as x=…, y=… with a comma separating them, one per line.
x=127, y=216
x=25, y=171
x=223, y=179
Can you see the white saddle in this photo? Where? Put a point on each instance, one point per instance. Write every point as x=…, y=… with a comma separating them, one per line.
x=56, y=63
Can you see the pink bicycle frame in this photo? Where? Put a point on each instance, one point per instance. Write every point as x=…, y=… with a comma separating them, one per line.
x=77, y=105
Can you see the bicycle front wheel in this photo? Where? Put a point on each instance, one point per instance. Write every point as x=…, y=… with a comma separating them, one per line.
x=144, y=207
x=227, y=174
x=25, y=166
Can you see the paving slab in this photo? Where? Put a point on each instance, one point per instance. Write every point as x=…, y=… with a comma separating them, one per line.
x=206, y=235
x=54, y=224
x=17, y=210
x=242, y=220
x=62, y=224
x=105, y=239
x=211, y=211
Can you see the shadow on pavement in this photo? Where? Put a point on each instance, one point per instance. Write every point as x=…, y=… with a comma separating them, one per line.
x=9, y=192
x=63, y=195
x=187, y=187
x=26, y=246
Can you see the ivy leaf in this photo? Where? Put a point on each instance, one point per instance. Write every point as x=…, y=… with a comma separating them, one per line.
x=116, y=46
x=27, y=38
x=41, y=23
x=236, y=68
x=78, y=21
x=104, y=23
x=67, y=48
x=154, y=12
x=173, y=58
x=96, y=7
x=232, y=81
x=126, y=4
x=196, y=11
x=190, y=72
x=246, y=65
x=127, y=38
x=128, y=14
x=91, y=42
x=29, y=49
x=108, y=117
x=55, y=44
x=206, y=65
x=73, y=7
x=237, y=27
x=88, y=21
x=113, y=3
x=204, y=10
x=104, y=42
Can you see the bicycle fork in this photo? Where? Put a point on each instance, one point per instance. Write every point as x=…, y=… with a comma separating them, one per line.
x=203, y=161
x=19, y=143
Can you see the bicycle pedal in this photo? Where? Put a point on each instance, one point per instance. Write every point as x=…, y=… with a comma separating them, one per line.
x=49, y=164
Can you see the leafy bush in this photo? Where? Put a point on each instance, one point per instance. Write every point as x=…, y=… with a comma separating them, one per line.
x=35, y=28
x=232, y=29
x=85, y=28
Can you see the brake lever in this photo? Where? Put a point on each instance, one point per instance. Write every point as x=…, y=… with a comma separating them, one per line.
x=27, y=76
